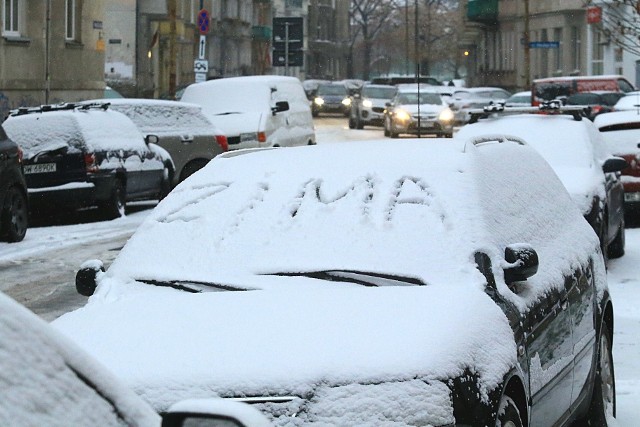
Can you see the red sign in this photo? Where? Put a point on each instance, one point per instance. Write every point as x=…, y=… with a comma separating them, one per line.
x=594, y=15
x=203, y=21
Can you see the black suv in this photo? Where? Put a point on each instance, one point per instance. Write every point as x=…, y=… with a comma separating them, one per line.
x=83, y=155
x=13, y=191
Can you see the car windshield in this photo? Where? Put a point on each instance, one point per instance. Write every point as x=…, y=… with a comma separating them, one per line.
x=378, y=92
x=411, y=98
x=332, y=90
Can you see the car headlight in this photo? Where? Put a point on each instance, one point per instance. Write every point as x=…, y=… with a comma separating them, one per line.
x=445, y=115
x=367, y=103
x=402, y=115
x=318, y=101
x=346, y=102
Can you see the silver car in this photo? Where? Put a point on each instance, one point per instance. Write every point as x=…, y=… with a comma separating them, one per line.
x=466, y=99
x=367, y=107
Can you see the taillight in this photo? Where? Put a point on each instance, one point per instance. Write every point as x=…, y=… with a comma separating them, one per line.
x=20, y=155
x=262, y=137
x=90, y=162
x=222, y=142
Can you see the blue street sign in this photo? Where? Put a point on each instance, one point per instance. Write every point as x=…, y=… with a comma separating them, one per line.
x=545, y=45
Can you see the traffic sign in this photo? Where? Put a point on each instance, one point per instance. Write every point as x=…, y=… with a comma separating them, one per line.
x=201, y=47
x=545, y=45
x=288, y=42
x=203, y=21
x=200, y=66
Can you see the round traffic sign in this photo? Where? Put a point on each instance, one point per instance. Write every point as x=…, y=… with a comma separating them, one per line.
x=203, y=21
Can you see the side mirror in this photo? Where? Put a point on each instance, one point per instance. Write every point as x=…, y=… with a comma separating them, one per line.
x=388, y=104
x=214, y=413
x=523, y=263
x=614, y=164
x=86, y=282
x=151, y=139
x=280, y=107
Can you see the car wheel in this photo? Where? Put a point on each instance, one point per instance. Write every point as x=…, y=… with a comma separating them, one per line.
x=508, y=414
x=392, y=134
x=314, y=113
x=191, y=168
x=603, y=400
x=616, y=248
x=14, y=215
x=117, y=203
x=352, y=123
x=359, y=124
x=386, y=128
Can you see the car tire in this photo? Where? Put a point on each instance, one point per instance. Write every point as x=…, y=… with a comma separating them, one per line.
x=508, y=414
x=314, y=113
x=116, y=205
x=352, y=123
x=386, y=129
x=603, y=399
x=15, y=215
x=359, y=123
x=192, y=167
x=616, y=247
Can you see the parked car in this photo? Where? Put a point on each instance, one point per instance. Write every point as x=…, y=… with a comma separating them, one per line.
x=467, y=99
x=621, y=132
x=47, y=380
x=598, y=102
x=631, y=101
x=367, y=107
x=182, y=129
x=577, y=152
x=415, y=282
x=81, y=155
x=256, y=111
x=519, y=99
x=331, y=98
x=418, y=112
x=14, y=209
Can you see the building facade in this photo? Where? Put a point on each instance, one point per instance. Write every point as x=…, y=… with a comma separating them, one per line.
x=50, y=51
x=560, y=42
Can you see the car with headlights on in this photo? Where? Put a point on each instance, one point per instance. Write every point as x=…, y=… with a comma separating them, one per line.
x=367, y=106
x=418, y=111
x=331, y=98
x=413, y=282
x=47, y=380
x=577, y=152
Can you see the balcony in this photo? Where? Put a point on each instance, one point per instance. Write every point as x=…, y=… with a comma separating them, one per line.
x=259, y=32
x=485, y=11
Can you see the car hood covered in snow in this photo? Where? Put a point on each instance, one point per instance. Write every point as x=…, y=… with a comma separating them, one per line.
x=170, y=345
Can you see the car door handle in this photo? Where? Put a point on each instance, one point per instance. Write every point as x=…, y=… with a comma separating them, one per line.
x=186, y=140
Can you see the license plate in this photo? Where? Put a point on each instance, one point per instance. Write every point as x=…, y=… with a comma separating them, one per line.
x=40, y=168
x=244, y=137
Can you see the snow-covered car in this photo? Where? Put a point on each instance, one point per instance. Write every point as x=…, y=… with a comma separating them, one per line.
x=256, y=111
x=579, y=155
x=14, y=208
x=418, y=111
x=621, y=132
x=631, y=101
x=367, y=107
x=466, y=99
x=47, y=380
x=79, y=155
x=519, y=99
x=411, y=282
x=182, y=129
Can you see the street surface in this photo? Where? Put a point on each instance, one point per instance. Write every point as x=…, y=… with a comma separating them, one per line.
x=40, y=271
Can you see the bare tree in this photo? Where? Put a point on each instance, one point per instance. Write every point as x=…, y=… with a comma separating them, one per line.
x=369, y=17
x=620, y=23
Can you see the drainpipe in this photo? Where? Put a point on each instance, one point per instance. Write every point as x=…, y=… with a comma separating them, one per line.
x=47, y=52
x=527, y=49
x=172, y=47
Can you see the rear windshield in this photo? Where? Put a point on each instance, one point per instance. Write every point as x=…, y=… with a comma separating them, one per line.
x=425, y=98
x=38, y=133
x=164, y=118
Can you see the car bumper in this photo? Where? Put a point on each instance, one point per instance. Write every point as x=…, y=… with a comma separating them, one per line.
x=427, y=127
x=71, y=195
x=371, y=117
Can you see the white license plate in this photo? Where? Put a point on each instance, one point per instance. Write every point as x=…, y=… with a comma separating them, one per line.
x=245, y=137
x=40, y=168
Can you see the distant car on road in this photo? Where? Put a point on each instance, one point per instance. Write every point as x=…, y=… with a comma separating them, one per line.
x=14, y=210
x=598, y=102
x=465, y=99
x=82, y=155
x=182, y=129
x=331, y=98
x=519, y=99
x=367, y=107
x=431, y=282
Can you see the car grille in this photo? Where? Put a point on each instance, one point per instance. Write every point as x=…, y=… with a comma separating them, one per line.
x=378, y=109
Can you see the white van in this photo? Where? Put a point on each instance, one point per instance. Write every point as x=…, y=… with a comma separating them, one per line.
x=256, y=111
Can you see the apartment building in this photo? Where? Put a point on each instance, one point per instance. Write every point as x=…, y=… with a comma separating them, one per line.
x=50, y=51
x=561, y=41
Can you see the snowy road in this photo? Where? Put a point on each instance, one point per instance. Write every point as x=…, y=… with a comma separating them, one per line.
x=39, y=272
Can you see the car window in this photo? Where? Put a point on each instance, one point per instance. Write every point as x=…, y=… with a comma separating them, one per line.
x=332, y=90
x=625, y=86
x=584, y=99
x=378, y=92
x=164, y=118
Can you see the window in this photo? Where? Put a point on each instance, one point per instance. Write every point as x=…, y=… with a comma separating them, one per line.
x=70, y=20
x=11, y=14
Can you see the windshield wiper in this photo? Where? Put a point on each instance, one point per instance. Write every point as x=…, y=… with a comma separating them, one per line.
x=192, y=286
x=228, y=112
x=363, y=278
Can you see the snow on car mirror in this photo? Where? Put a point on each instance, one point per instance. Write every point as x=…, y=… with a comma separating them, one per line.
x=280, y=107
x=151, y=139
x=86, y=277
x=522, y=263
x=614, y=164
x=213, y=412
